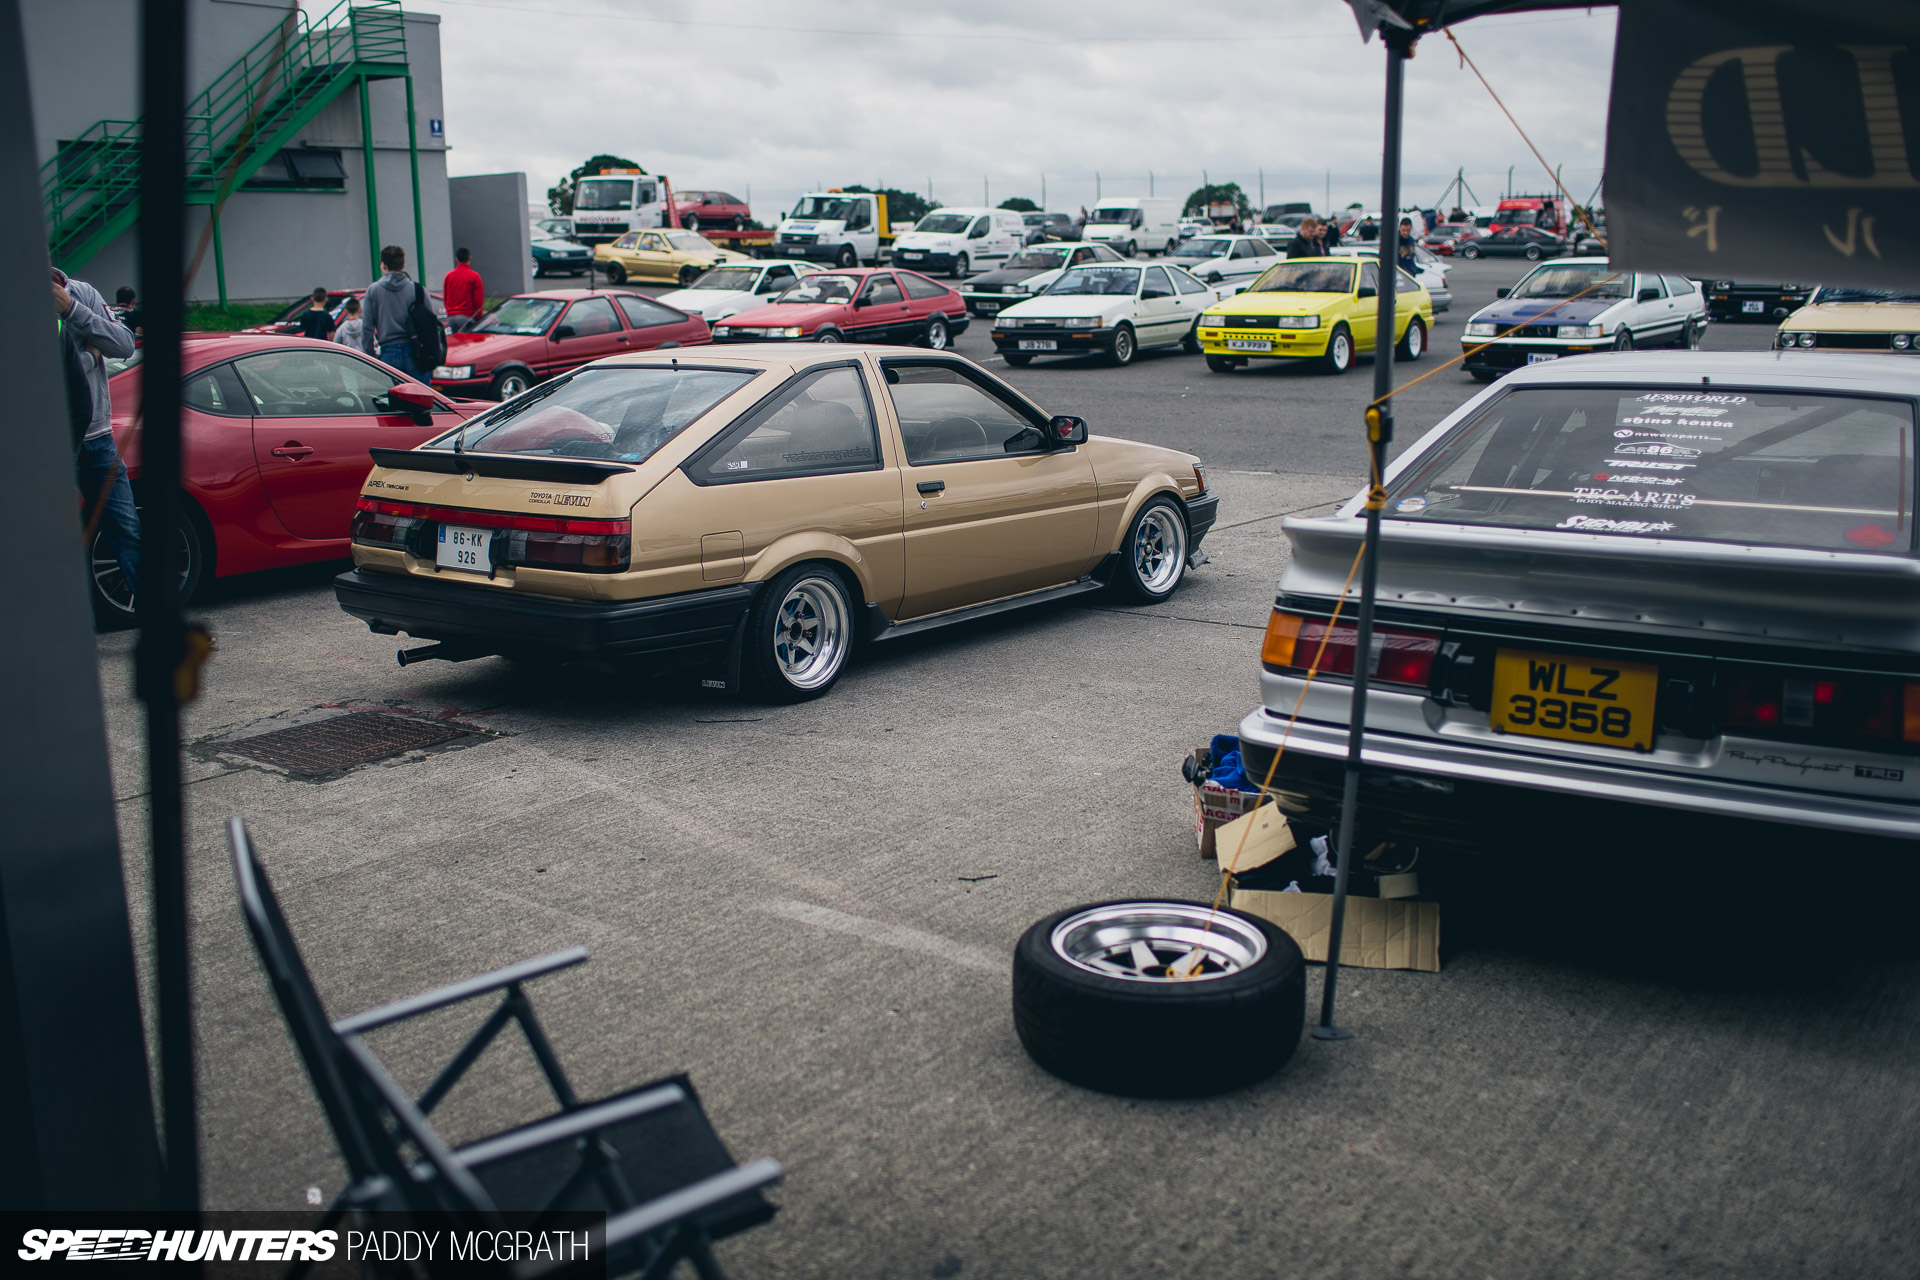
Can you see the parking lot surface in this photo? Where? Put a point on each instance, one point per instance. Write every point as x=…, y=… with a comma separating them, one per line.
x=1621, y=1071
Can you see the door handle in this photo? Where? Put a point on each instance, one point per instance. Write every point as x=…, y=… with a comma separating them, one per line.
x=932, y=486
x=292, y=450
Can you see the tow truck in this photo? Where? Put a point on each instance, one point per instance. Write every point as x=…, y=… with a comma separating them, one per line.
x=612, y=202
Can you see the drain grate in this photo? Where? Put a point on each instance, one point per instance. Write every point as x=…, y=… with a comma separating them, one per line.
x=327, y=746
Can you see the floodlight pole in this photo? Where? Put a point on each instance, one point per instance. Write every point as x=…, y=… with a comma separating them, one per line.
x=1379, y=419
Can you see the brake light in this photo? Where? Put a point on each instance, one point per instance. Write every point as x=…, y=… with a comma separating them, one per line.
x=1839, y=709
x=1399, y=656
x=541, y=542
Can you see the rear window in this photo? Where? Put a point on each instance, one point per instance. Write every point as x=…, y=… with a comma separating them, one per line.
x=1783, y=469
x=618, y=414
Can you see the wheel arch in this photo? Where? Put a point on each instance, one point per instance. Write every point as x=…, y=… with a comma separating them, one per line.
x=819, y=546
x=196, y=511
x=1145, y=490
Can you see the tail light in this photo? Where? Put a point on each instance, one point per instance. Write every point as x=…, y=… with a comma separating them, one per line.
x=540, y=542
x=1832, y=708
x=1399, y=656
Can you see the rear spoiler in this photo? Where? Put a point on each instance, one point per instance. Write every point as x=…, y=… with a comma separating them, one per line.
x=498, y=465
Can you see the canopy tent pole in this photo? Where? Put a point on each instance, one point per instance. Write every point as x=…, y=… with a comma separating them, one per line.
x=1379, y=417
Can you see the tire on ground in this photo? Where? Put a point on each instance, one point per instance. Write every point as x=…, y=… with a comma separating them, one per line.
x=1158, y=1039
x=813, y=606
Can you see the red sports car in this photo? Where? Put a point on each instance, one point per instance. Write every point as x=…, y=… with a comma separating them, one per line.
x=288, y=321
x=274, y=433
x=532, y=336
x=871, y=305
x=711, y=210
x=1449, y=236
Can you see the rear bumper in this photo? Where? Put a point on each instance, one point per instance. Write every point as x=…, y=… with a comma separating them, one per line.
x=492, y=620
x=1463, y=794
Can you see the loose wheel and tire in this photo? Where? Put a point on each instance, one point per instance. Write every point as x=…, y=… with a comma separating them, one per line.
x=1017, y=361
x=1533, y=253
x=1154, y=557
x=1120, y=350
x=1222, y=364
x=828, y=335
x=960, y=266
x=937, y=335
x=113, y=594
x=1470, y=251
x=1623, y=340
x=1158, y=999
x=846, y=257
x=1339, y=353
x=509, y=383
x=616, y=274
x=1414, y=344
x=799, y=634
x=1191, y=343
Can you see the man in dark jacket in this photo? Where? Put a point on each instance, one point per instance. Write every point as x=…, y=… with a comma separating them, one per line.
x=1308, y=242
x=91, y=336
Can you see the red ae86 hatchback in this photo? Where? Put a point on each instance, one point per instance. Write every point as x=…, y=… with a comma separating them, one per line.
x=855, y=306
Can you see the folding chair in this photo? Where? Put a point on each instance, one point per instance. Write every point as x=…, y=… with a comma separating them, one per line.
x=648, y=1158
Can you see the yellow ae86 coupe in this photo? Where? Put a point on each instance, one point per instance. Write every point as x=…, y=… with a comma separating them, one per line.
x=663, y=254
x=766, y=508
x=1320, y=309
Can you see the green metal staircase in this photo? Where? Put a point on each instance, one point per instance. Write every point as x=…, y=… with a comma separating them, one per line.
x=253, y=109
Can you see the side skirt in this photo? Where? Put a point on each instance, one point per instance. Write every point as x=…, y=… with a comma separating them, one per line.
x=879, y=628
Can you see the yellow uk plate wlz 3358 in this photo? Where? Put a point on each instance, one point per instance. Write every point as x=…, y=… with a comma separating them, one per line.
x=1578, y=699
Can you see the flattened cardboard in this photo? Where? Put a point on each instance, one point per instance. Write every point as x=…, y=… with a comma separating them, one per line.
x=1253, y=839
x=1405, y=884
x=1381, y=933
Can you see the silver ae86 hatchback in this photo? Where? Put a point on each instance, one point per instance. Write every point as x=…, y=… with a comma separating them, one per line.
x=1677, y=584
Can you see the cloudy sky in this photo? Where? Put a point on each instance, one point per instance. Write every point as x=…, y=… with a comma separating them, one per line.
x=783, y=97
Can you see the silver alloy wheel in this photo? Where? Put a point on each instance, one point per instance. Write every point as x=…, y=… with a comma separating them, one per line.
x=1123, y=346
x=937, y=334
x=1159, y=549
x=827, y=335
x=512, y=385
x=1158, y=942
x=810, y=633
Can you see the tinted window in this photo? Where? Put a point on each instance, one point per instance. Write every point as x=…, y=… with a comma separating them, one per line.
x=945, y=416
x=311, y=384
x=1186, y=283
x=642, y=312
x=1654, y=283
x=822, y=425
x=920, y=286
x=882, y=289
x=1679, y=286
x=590, y=316
x=1407, y=282
x=1774, y=468
x=1370, y=276
x=622, y=414
x=1244, y=249
x=215, y=391
x=1157, y=280
x=978, y=229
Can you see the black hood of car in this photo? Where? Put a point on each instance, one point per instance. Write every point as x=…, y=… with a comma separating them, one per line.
x=1007, y=275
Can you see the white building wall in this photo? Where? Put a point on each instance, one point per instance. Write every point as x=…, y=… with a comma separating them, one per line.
x=276, y=245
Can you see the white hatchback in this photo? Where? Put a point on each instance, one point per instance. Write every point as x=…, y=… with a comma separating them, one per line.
x=1225, y=259
x=727, y=290
x=1111, y=309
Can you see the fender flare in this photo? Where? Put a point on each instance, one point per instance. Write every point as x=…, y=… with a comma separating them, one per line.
x=813, y=544
x=1150, y=486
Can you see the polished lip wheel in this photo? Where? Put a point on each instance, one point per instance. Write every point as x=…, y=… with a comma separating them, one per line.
x=1159, y=544
x=1158, y=942
x=810, y=633
x=112, y=584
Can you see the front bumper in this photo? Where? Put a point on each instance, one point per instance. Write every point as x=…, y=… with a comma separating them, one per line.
x=924, y=259
x=987, y=305
x=1287, y=344
x=1202, y=510
x=493, y=620
x=1516, y=353
x=810, y=251
x=1467, y=795
x=474, y=388
x=1065, y=341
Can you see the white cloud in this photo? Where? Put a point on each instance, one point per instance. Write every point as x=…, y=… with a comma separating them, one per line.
x=780, y=97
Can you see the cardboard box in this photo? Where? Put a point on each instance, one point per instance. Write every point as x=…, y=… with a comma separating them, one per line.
x=1388, y=932
x=1381, y=933
x=1215, y=805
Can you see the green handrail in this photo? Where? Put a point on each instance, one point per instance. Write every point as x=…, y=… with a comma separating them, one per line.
x=90, y=187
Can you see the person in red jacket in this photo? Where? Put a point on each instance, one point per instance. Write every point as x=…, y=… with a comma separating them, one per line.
x=465, y=296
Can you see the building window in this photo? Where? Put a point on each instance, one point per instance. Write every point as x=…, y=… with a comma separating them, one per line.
x=300, y=169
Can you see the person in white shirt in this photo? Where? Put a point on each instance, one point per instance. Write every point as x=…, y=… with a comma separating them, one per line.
x=348, y=334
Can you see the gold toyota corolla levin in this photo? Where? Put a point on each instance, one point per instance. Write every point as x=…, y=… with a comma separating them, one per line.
x=762, y=508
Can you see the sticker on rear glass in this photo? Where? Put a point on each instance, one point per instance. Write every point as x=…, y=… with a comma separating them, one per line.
x=1411, y=505
x=1597, y=524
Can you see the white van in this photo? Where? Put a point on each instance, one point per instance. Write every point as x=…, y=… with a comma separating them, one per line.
x=960, y=238
x=1135, y=224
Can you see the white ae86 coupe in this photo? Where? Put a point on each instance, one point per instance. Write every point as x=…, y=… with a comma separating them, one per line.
x=1109, y=309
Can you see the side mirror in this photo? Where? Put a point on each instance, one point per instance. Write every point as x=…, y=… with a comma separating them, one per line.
x=1025, y=440
x=1502, y=291
x=1067, y=430
x=416, y=401
x=863, y=301
x=562, y=331
x=1367, y=291
x=1649, y=295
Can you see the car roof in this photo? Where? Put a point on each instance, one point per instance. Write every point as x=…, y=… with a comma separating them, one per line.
x=568, y=295
x=1752, y=370
x=207, y=347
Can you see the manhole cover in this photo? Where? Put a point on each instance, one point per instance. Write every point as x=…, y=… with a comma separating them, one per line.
x=327, y=746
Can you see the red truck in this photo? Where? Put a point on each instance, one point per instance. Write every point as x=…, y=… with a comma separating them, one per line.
x=1548, y=213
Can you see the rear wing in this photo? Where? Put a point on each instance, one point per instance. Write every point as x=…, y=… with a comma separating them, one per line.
x=501, y=466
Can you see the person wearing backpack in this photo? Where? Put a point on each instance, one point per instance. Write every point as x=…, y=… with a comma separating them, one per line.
x=397, y=320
